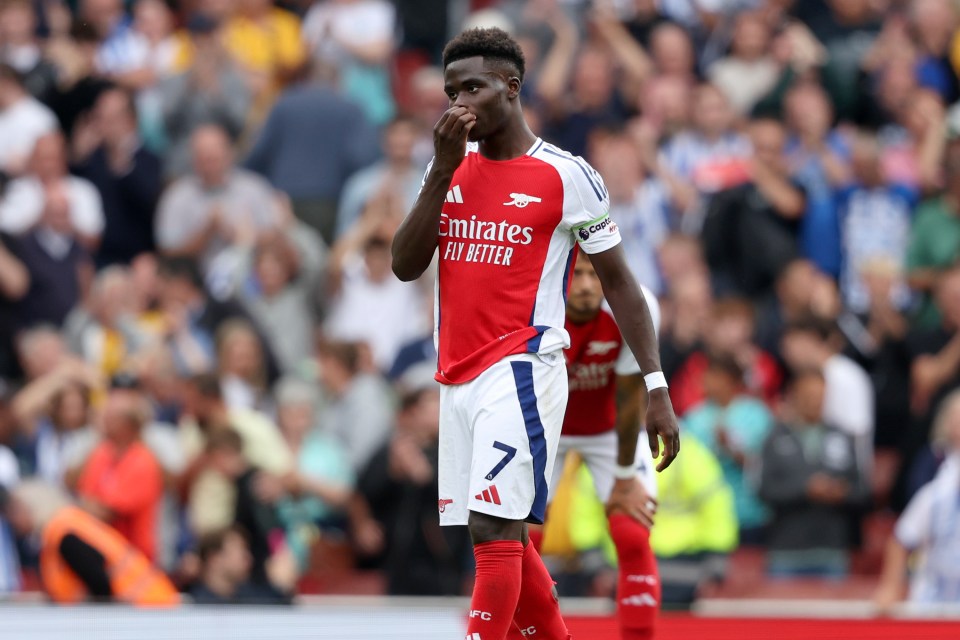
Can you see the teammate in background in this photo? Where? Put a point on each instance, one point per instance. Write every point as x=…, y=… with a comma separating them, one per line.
x=506, y=211
x=602, y=424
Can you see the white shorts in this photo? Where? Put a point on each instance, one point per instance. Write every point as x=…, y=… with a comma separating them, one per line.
x=599, y=453
x=498, y=439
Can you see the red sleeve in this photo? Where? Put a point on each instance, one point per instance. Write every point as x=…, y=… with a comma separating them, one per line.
x=137, y=482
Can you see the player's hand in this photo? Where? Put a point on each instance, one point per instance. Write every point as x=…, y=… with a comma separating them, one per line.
x=450, y=137
x=663, y=423
x=629, y=497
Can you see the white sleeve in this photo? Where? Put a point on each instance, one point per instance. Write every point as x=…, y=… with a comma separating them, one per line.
x=586, y=207
x=86, y=210
x=913, y=526
x=20, y=207
x=626, y=362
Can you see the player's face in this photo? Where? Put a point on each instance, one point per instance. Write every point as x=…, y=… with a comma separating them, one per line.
x=469, y=83
x=586, y=294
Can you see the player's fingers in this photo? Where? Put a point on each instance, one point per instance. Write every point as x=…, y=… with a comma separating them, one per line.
x=670, y=448
x=448, y=120
x=654, y=443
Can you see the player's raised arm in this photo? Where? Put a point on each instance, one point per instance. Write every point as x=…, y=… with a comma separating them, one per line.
x=416, y=239
x=633, y=317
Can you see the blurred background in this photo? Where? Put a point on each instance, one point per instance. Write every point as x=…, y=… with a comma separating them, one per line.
x=203, y=347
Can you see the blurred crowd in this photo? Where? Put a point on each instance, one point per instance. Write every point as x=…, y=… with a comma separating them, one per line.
x=203, y=347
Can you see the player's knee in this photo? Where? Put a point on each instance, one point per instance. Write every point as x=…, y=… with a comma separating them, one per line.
x=485, y=528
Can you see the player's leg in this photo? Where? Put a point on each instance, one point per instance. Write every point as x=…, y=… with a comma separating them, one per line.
x=539, y=391
x=638, y=583
x=498, y=550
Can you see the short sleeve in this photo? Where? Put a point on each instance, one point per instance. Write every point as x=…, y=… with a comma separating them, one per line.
x=914, y=524
x=586, y=208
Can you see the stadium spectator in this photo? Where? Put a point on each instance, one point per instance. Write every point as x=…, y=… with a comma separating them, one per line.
x=734, y=426
x=23, y=120
x=926, y=526
x=265, y=40
x=818, y=158
x=935, y=239
x=191, y=318
x=396, y=172
x=201, y=214
x=312, y=141
x=78, y=81
x=357, y=407
x=22, y=49
x=638, y=204
x=848, y=402
x=750, y=71
x=103, y=329
x=53, y=416
x=728, y=332
x=397, y=493
x=356, y=38
x=48, y=195
x=874, y=225
x=364, y=289
x=211, y=497
x=121, y=482
x=242, y=367
x=810, y=477
x=934, y=363
x=322, y=482
x=707, y=158
x=209, y=91
x=225, y=573
x=751, y=231
x=278, y=280
x=108, y=152
x=81, y=558
x=257, y=497
x=800, y=290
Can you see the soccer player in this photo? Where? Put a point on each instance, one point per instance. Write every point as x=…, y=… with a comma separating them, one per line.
x=602, y=424
x=506, y=211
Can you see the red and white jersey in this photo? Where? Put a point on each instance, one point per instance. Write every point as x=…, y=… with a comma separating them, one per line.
x=597, y=355
x=508, y=236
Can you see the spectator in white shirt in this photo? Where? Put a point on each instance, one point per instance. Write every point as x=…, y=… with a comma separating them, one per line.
x=23, y=120
x=928, y=526
x=849, y=401
x=365, y=291
x=48, y=184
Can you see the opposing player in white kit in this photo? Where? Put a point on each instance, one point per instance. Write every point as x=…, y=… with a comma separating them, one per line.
x=506, y=211
x=602, y=424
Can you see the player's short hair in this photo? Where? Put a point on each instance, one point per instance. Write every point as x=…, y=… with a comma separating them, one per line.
x=494, y=45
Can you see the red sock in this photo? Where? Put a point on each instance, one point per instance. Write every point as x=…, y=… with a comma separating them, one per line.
x=638, y=588
x=536, y=537
x=538, y=612
x=496, y=590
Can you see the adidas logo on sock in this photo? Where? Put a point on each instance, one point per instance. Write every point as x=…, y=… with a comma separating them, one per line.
x=489, y=495
x=454, y=195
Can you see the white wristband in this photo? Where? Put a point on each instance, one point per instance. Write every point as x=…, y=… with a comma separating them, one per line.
x=655, y=380
x=624, y=472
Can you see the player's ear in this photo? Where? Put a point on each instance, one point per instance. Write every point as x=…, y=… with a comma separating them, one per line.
x=513, y=87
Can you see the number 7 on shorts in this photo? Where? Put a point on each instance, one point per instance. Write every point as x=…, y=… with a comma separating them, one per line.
x=509, y=452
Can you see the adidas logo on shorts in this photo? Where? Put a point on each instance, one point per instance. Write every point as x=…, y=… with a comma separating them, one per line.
x=490, y=495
